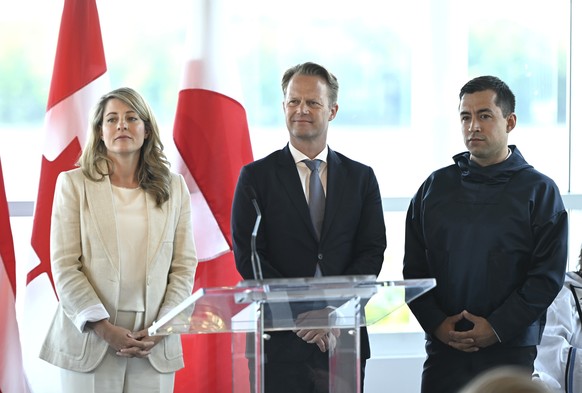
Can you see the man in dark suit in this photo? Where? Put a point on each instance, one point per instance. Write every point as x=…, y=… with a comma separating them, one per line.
x=350, y=241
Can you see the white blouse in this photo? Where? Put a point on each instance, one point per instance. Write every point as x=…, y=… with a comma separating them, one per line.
x=132, y=230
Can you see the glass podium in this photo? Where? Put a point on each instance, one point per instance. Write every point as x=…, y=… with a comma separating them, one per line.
x=260, y=309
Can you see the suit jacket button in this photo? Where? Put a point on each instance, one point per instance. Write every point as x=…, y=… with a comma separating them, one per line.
x=320, y=256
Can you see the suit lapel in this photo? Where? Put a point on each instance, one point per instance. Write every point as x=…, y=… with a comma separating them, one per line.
x=100, y=201
x=157, y=225
x=335, y=188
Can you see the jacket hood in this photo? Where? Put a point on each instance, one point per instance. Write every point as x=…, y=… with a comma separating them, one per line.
x=492, y=174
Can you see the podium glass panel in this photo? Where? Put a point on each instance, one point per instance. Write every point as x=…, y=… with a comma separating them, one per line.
x=261, y=309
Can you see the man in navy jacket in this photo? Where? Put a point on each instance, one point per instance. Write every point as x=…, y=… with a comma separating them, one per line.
x=493, y=232
x=352, y=238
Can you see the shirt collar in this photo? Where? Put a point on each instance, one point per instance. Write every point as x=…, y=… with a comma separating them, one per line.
x=298, y=156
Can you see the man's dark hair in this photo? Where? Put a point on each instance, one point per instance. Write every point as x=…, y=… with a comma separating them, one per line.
x=313, y=69
x=504, y=97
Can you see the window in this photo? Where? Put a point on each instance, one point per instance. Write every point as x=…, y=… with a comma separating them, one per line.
x=399, y=68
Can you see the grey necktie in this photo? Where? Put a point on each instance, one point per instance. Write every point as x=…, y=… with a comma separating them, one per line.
x=316, y=195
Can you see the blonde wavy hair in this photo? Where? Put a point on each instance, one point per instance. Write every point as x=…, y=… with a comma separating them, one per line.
x=153, y=170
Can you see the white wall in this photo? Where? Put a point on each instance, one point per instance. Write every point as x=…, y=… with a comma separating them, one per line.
x=396, y=363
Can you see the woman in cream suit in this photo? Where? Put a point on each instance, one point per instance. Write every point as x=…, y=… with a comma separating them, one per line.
x=122, y=253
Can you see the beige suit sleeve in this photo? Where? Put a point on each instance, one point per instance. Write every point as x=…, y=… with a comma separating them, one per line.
x=76, y=294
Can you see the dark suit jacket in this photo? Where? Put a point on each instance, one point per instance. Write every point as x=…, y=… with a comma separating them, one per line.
x=353, y=237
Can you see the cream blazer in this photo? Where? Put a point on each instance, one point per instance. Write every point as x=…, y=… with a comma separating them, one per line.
x=86, y=268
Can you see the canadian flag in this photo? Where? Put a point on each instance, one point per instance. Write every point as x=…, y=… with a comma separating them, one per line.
x=12, y=378
x=78, y=80
x=212, y=138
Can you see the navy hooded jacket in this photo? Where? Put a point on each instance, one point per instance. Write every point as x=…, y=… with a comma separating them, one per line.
x=495, y=240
